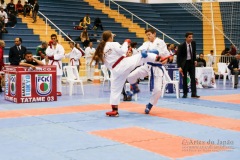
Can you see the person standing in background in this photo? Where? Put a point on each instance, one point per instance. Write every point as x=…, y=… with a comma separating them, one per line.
x=55, y=53
x=41, y=50
x=35, y=11
x=16, y=53
x=3, y=5
x=84, y=38
x=90, y=68
x=74, y=56
x=4, y=17
x=211, y=59
x=2, y=45
x=186, y=61
x=233, y=50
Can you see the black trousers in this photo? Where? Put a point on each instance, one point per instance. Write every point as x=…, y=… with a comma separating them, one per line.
x=189, y=68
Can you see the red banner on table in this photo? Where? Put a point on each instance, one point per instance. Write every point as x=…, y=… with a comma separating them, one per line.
x=25, y=85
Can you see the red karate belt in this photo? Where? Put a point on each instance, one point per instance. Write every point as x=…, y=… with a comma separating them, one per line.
x=56, y=61
x=118, y=61
x=72, y=60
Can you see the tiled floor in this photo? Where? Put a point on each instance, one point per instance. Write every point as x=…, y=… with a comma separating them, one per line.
x=76, y=128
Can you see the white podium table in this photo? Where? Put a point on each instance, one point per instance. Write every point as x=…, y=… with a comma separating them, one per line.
x=205, y=77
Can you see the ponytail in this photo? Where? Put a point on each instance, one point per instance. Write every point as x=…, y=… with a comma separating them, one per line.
x=98, y=55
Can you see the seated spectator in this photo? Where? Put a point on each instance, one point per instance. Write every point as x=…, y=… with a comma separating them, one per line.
x=235, y=70
x=3, y=17
x=30, y=61
x=169, y=48
x=31, y=2
x=175, y=54
x=3, y=5
x=78, y=27
x=11, y=7
x=41, y=50
x=84, y=38
x=97, y=24
x=19, y=7
x=172, y=47
x=87, y=20
x=201, y=61
x=83, y=25
x=26, y=9
x=225, y=56
x=12, y=20
x=233, y=50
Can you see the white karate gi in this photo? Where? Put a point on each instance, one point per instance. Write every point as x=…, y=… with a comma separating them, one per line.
x=58, y=53
x=89, y=52
x=145, y=70
x=74, y=57
x=113, y=51
x=211, y=60
x=4, y=14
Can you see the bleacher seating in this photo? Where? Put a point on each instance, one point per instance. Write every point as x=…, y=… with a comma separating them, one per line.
x=181, y=21
x=30, y=40
x=171, y=19
x=67, y=13
x=224, y=10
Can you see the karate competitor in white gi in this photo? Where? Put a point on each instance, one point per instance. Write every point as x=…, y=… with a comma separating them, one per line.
x=112, y=54
x=55, y=53
x=74, y=56
x=153, y=70
x=89, y=51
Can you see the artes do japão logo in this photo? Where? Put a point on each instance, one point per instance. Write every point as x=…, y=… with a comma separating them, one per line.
x=43, y=84
x=12, y=84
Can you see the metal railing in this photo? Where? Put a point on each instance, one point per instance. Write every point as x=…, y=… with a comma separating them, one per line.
x=217, y=59
x=135, y=16
x=49, y=21
x=60, y=32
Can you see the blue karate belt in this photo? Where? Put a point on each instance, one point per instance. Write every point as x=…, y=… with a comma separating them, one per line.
x=152, y=75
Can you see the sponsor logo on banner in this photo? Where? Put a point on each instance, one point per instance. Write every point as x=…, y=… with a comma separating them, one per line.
x=43, y=84
x=26, y=85
x=13, y=84
x=6, y=84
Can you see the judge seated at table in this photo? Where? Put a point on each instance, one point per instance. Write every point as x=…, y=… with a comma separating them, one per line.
x=200, y=61
x=30, y=61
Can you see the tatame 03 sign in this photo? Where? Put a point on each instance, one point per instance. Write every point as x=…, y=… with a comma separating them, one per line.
x=26, y=86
